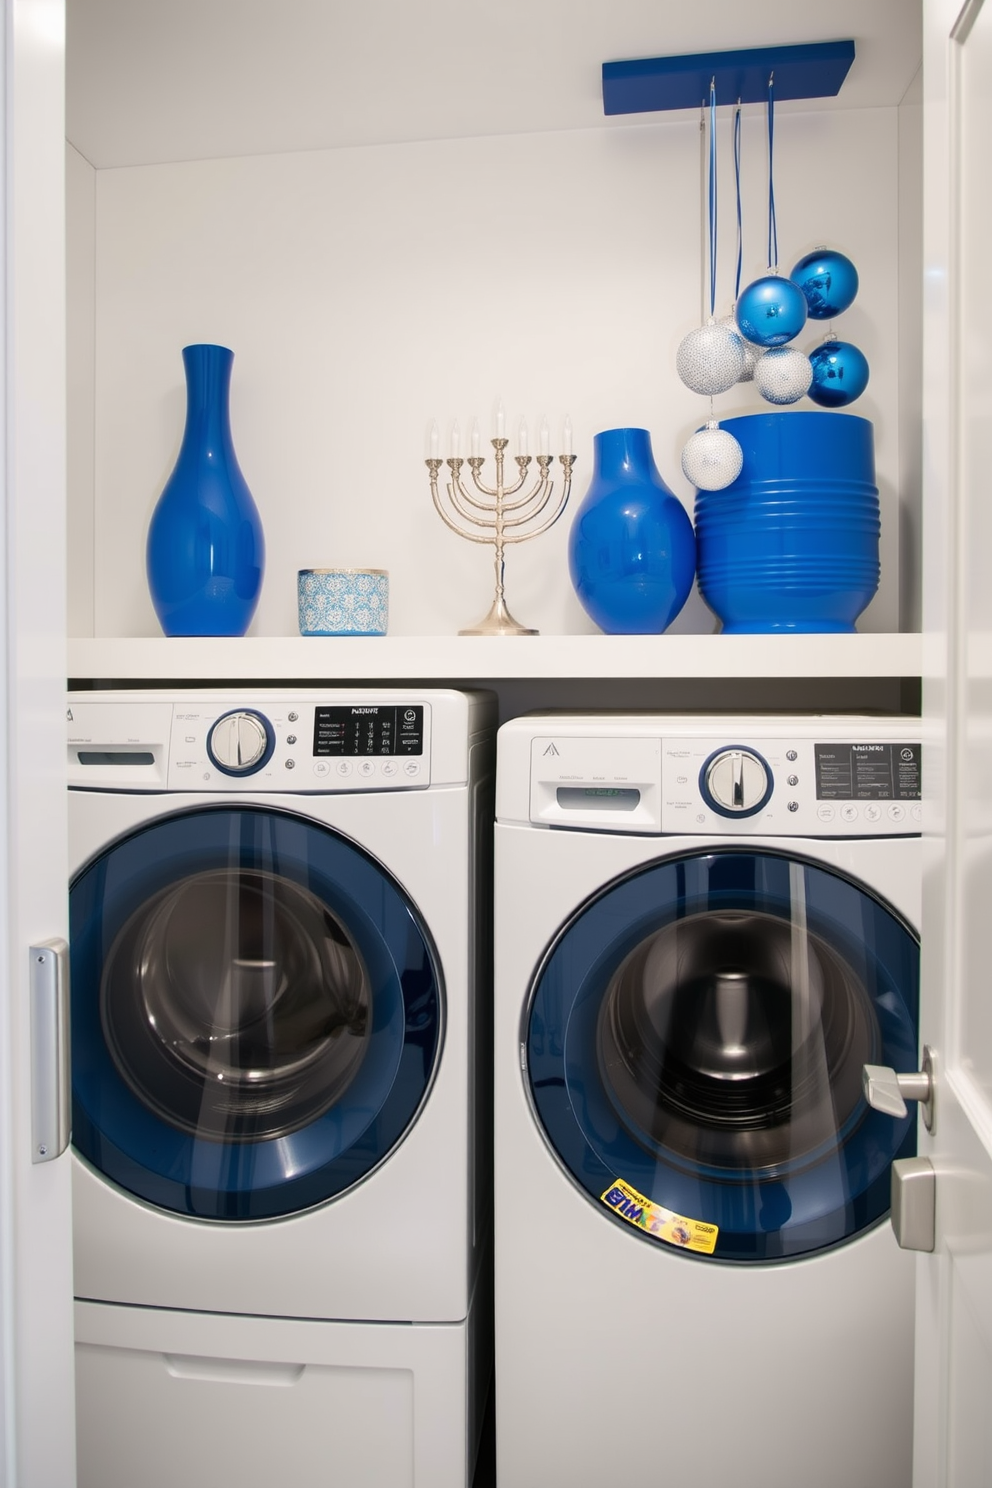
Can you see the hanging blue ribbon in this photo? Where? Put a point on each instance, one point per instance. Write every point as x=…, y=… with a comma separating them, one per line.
x=772, y=227
x=712, y=196
x=740, y=219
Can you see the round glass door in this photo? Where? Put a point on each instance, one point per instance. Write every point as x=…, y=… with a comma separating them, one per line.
x=695, y=1039
x=256, y=1013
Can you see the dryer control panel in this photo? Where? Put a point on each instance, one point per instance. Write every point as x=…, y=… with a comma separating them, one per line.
x=807, y=784
x=274, y=744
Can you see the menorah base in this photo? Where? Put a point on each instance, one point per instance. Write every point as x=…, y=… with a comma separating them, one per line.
x=499, y=622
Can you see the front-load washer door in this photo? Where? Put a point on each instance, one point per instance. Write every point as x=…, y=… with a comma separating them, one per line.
x=256, y=1013
x=694, y=1044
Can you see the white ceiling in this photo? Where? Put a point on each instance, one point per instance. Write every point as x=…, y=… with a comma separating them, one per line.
x=159, y=80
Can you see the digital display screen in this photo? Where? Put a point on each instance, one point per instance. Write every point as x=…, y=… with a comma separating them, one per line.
x=867, y=772
x=115, y=757
x=368, y=730
x=597, y=798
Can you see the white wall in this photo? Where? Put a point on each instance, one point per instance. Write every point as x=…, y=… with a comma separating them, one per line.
x=80, y=190
x=911, y=353
x=365, y=291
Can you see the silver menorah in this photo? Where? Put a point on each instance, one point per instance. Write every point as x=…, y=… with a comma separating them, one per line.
x=508, y=514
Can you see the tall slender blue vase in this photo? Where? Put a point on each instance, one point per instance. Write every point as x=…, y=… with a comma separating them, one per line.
x=206, y=551
x=631, y=550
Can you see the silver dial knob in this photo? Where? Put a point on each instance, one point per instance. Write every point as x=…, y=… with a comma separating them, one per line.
x=737, y=781
x=239, y=742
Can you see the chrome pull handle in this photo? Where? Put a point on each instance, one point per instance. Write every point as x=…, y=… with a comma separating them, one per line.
x=50, y=1091
x=888, y=1092
x=914, y=1203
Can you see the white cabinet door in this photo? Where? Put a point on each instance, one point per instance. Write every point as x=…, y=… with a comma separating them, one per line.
x=37, y=1437
x=953, y=1446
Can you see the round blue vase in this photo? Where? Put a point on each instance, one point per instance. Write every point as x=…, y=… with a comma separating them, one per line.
x=631, y=550
x=206, y=552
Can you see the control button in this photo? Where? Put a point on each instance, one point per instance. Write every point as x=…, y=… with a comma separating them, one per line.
x=389, y=768
x=873, y=813
x=897, y=813
x=366, y=768
x=290, y=764
x=736, y=781
x=849, y=813
x=240, y=742
x=916, y=812
x=190, y=738
x=791, y=754
x=411, y=768
x=793, y=806
x=321, y=767
x=344, y=767
x=793, y=779
x=825, y=813
x=293, y=717
x=290, y=738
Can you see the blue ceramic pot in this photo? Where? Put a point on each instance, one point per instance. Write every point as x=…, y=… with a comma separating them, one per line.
x=206, y=552
x=631, y=550
x=792, y=543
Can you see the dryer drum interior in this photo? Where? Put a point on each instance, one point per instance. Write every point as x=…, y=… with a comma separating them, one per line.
x=236, y=1005
x=734, y=1042
x=696, y=1035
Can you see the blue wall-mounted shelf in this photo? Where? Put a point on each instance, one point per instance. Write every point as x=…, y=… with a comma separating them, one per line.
x=815, y=70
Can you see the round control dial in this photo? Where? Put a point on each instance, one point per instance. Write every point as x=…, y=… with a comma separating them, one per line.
x=241, y=743
x=736, y=782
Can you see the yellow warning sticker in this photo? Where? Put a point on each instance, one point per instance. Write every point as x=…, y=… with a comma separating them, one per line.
x=688, y=1234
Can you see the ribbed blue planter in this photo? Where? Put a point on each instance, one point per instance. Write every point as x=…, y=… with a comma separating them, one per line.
x=792, y=544
x=631, y=550
x=206, y=553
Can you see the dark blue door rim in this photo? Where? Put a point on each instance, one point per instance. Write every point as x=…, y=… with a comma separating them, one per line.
x=137, y=1147
x=820, y=1198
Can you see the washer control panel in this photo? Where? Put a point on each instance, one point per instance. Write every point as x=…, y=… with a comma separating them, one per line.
x=276, y=745
x=761, y=785
x=792, y=787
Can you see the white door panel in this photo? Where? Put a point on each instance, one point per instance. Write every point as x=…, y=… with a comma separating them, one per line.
x=37, y=1439
x=953, y=1446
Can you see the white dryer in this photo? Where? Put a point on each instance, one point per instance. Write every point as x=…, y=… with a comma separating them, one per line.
x=279, y=909
x=705, y=927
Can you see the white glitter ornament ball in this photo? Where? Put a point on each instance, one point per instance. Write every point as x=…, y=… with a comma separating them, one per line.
x=712, y=458
x=751, y=352
x=711, y=359
x=783, y=374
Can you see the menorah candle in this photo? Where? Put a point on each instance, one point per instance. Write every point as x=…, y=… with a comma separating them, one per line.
x=502, y=513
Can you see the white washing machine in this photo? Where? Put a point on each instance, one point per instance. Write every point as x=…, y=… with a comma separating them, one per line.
x=705, y=927
x=280, y=912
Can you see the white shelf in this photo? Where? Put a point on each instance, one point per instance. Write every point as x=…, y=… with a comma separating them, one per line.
x=482, y=659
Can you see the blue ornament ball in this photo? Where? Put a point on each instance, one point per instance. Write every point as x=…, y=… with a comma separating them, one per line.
x=771, y=311
x=828, y=280
x=840, y=374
